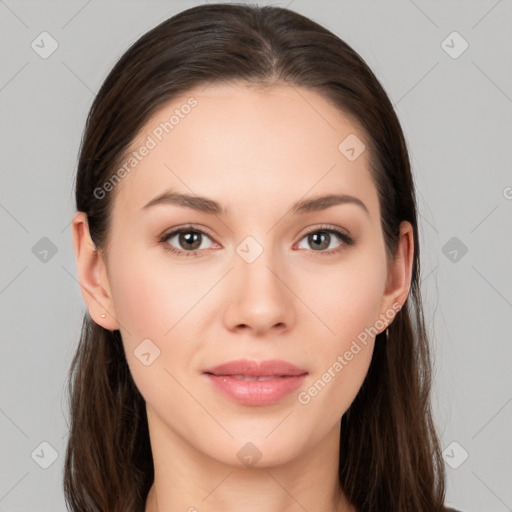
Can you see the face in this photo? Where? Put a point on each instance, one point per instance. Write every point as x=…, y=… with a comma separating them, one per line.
x=251, y=278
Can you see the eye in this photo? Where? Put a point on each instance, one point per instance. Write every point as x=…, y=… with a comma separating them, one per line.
x=190, y=239
x=321, y=239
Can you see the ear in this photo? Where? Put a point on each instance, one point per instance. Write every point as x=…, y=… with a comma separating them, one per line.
x=92, y=275
x=399, y=272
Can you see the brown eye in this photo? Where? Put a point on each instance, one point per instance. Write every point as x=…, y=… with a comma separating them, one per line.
x=321, y=239
x=190, y=239
x=187, y=242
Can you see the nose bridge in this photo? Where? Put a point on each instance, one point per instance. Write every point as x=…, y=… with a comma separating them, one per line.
x=257, y=263
x=259, y=297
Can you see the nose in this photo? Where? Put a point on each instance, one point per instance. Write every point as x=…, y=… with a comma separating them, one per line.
x=260, y=298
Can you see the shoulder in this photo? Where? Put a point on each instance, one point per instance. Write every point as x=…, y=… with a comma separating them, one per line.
x=447, y=509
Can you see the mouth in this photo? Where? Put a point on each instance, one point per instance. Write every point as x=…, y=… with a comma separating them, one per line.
x=256, y=383
x=253, y=378
x=250, y=368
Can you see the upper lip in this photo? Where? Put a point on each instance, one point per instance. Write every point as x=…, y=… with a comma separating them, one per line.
x=252, y=368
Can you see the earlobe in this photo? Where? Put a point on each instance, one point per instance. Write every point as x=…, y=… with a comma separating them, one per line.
x=92, y=275
x=400, y=271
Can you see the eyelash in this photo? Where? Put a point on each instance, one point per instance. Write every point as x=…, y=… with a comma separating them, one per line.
x=347, y=240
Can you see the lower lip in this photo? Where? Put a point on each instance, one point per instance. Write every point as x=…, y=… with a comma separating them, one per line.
x=254, y=392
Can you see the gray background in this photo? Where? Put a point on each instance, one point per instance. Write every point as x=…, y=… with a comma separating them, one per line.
x=456, y=114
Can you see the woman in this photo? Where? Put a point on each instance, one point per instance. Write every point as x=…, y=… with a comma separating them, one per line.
x=247, y=247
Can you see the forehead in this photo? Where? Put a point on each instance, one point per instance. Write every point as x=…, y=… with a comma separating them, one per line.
x=247, y=145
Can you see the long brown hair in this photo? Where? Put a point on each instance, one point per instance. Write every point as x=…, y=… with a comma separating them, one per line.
x=390, y=458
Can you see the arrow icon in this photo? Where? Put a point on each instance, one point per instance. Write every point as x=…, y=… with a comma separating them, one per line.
x=44, y=455
x=147, y=352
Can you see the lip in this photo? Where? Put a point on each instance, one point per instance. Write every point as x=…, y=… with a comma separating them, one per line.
x=280, y=378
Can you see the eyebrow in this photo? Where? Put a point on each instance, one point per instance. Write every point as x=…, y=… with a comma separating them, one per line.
x=206, y=205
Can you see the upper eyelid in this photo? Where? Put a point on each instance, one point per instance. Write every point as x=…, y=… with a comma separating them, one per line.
x=175, y=231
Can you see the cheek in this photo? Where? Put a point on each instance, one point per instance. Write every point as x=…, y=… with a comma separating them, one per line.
x=148, y=308
x=138, y=302
x=347, y=297
x=347, y=301
x=341, y=358
x=161, y=303
x=150, y=298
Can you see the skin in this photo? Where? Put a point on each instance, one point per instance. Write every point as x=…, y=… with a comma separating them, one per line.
x=254, y=150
